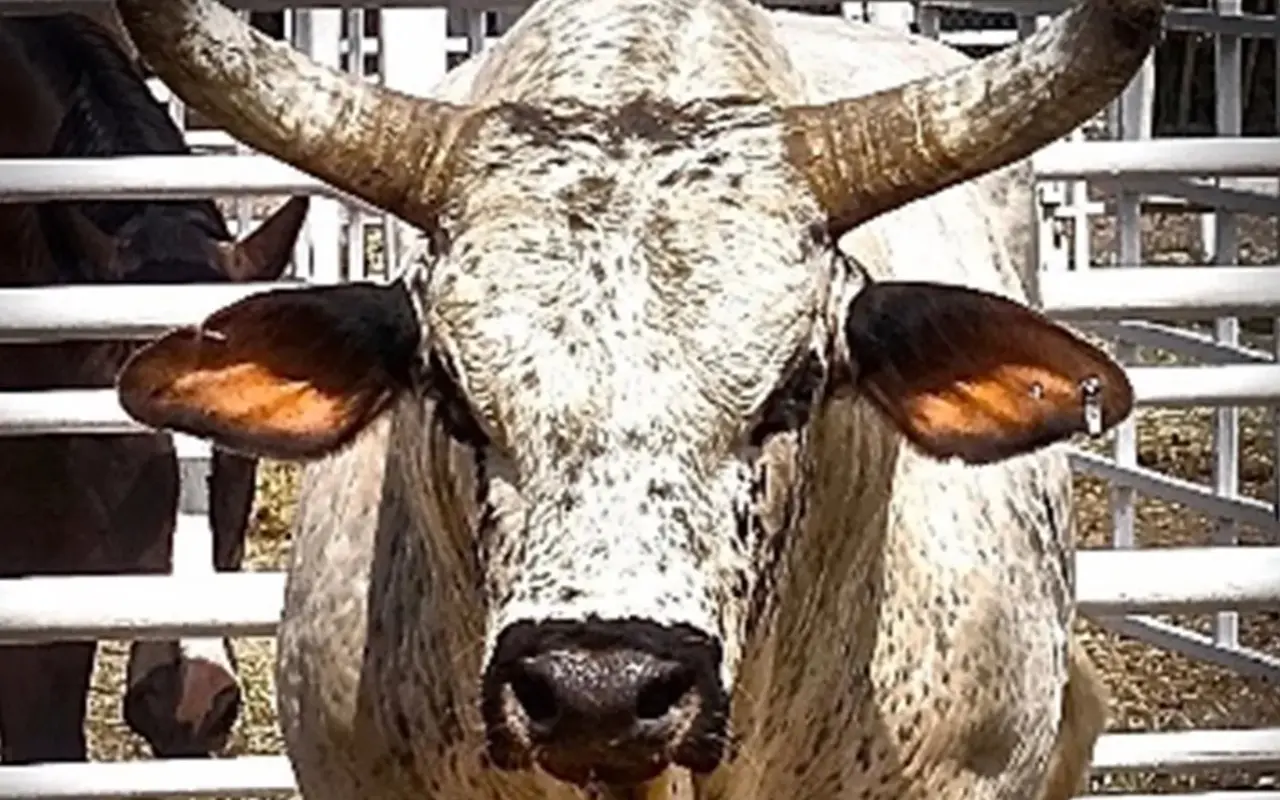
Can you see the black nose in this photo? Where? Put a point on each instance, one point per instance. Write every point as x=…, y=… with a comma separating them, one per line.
x=610, y=702
x=569, y=693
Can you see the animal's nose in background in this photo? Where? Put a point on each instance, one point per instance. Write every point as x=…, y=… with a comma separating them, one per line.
x=618, y=713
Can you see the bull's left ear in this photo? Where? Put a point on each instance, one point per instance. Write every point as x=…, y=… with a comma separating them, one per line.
x=286, y=374
x=971, y=375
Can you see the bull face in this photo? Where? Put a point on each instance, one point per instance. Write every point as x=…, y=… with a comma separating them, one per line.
x=627, y=307
x=624, y=552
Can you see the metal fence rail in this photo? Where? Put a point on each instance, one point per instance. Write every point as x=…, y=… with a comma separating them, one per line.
x=1109, y=583
x=267, y=776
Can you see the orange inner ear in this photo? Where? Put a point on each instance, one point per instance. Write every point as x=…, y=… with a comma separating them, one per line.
x=250, y=396
x=289, y=373
x=250, y=389
x=992, y=404
x=969, y=374
x=1000, y=410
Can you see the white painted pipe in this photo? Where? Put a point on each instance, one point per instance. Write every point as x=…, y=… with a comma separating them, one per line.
x=50, y=313
x=140, y=606
x=1177, y=580
x=179, y=177
x=1220, y=385
x=272, y=776
x=63, y=411
x=249, y=776
x=1180, y=157
x=200, y=176
x=1137, y=292
x=125, y=311
x=1109, y=582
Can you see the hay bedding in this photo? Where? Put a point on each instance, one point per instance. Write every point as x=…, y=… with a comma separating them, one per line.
x=1151, y=690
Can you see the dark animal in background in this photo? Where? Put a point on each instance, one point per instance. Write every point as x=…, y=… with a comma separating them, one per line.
x=107, y=504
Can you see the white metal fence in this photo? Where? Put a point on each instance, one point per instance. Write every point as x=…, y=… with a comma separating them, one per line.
x=1115, y=586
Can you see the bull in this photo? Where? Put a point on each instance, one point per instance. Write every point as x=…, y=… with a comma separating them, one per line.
x=715, y=450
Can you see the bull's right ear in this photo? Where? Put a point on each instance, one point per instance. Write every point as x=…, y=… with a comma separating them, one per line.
x=971, y=375
x=287, y=374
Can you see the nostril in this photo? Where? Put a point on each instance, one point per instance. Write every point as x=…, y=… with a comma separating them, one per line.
x=536, y=696
x=659, y=696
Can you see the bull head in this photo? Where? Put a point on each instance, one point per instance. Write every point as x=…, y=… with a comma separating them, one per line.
x=620, y=566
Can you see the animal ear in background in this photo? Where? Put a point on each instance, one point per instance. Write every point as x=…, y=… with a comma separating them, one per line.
x=284, y=374
x=97, y=249
x=971, y=375
x=264, y=254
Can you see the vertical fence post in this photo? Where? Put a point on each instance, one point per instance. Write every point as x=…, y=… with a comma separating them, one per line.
x=1078, y=202
x=476, y=38
x=357, y=265
x=1134, y=115
x=243, y=212
x=1050, y=197
x=302, y=246
x=1081, y=208
x=1275, y=322
x=929, y=20
x=414, y=50
x=1226, y=423
x=318, y=34
x=895, y=14
x=414, y=42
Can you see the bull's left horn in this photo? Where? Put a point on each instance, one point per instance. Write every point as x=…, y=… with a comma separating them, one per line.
x=868, y=155
x=382, y=146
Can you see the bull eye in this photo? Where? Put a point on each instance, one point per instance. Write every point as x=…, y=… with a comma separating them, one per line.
x=452, y=408
x=789, y=406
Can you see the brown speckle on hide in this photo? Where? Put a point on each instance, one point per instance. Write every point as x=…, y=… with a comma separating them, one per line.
x=589, y=198
x=661, y=123
x=568, y=501
x=941, y=638
x=658, y=121
x=539, y=127
x=660, y=490
x=990, y=747
x=862, y=754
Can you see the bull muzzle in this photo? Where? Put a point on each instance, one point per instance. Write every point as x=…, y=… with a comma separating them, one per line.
x=604, y=703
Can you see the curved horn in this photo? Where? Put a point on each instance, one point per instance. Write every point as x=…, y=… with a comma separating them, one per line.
x=868, y=155
x=382, y=146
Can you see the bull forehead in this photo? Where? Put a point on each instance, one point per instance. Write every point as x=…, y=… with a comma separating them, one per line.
x=638, y=274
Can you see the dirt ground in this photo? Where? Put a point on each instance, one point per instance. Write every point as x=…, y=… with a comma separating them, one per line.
x=1151, y=690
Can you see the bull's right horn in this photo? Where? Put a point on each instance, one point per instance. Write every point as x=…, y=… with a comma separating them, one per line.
x=868, y=155
x=385, y=147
